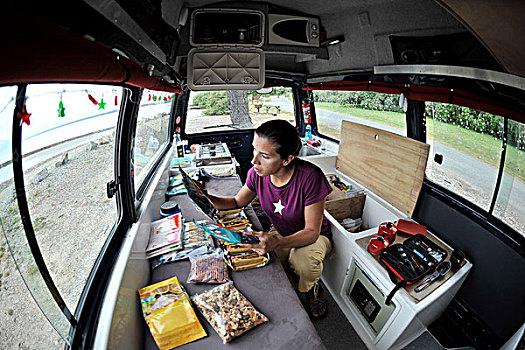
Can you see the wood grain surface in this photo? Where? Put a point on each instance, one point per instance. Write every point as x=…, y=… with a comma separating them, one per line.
x=390, y=165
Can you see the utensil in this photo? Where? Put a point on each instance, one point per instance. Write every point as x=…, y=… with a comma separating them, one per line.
x=441, y=270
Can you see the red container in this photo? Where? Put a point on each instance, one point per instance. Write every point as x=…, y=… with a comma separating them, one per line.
x=377, y=243
x=389, y=230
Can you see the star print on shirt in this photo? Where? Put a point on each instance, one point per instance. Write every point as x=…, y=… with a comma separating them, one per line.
x=279, y=207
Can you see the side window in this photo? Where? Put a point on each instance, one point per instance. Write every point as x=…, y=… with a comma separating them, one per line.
x=67, y=158
x=378, y=110
x=237, y=109
x=465, y=152
x=15, y=254
x=509, y=201
x=152, y=133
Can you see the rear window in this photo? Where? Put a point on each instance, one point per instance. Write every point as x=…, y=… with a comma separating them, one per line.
x=211, y=111
x=381, y=111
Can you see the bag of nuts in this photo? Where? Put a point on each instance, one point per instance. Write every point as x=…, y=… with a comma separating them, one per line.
x=228, y=311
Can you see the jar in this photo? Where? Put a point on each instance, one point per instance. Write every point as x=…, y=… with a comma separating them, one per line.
x=169, y=208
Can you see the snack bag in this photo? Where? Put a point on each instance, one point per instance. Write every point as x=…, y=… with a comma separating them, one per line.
x=208, y=268
x=194, y=236
x=226, y=235
x=246, y=261
x=228, y=311
x=233, y=249
x=169, y=314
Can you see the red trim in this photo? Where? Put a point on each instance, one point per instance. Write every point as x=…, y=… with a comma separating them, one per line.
x=393, y=270
x=428, y=93
x=398, y=275
x=35, y=51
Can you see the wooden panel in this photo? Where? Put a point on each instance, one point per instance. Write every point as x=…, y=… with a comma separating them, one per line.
x=390, y=165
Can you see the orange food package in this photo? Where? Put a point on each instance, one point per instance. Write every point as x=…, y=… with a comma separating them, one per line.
x=169, y=314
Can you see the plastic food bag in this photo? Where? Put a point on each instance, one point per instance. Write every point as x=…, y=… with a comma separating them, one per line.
x=228, y=311
x=169, y=314
x=226, y=235
x=208, y=268
x=194, y=236
x=178, y=255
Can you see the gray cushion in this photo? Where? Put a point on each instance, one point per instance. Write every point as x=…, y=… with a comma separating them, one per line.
x=267, y=288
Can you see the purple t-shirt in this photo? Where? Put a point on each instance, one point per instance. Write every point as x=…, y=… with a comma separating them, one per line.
x=285, y=205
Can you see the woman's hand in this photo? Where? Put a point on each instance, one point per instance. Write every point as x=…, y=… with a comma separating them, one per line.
x=267, y=242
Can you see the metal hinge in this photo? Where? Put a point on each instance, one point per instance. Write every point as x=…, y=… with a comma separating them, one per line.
x=112, y=188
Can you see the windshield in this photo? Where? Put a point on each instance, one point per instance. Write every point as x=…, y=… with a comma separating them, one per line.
x=211, y=111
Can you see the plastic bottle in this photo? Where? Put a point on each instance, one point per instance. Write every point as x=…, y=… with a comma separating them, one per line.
x=180, y=145
x=308, y=133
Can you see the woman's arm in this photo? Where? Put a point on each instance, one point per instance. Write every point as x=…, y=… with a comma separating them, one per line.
x=240, y=200
x=313, y=219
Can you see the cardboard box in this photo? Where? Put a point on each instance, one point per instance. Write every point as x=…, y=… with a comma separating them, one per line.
x=340, y=206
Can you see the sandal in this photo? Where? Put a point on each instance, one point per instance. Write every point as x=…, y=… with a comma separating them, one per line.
x=317, y=307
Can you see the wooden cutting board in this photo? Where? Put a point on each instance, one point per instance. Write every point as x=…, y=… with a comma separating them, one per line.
x=390, y=165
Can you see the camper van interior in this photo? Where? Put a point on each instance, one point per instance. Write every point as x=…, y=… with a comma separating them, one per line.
x=121, y=119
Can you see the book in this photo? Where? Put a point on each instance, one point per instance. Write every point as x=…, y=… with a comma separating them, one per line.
x=197, y=195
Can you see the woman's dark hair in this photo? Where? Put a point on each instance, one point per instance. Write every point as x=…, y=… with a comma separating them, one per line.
x=283, y=134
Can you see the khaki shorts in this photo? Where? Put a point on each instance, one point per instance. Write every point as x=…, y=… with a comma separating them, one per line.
x=305, y=262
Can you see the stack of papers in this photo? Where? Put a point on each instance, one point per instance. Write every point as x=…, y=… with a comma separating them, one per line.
x=165, y=236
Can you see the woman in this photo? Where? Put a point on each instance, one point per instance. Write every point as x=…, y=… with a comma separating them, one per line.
x=292, y=194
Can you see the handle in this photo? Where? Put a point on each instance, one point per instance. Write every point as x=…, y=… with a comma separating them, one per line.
x=422, y=286
x=426, y=282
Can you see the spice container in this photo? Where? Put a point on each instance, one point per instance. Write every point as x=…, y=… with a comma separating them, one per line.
x=169, y=208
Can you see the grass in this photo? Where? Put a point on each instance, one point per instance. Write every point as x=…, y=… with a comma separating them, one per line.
x=32, y=270
x=39, y=223
x=482, y=146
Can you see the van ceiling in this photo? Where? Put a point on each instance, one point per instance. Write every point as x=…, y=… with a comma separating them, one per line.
x=365, y=25
x=499, y=25
x=375, y=32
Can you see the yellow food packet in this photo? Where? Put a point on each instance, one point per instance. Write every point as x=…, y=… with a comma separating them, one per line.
x=169, y=314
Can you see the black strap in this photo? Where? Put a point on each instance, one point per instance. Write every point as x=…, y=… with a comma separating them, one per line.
x=396, y=288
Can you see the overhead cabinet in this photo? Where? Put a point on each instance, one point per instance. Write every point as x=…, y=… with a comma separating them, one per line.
x=226, y=50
